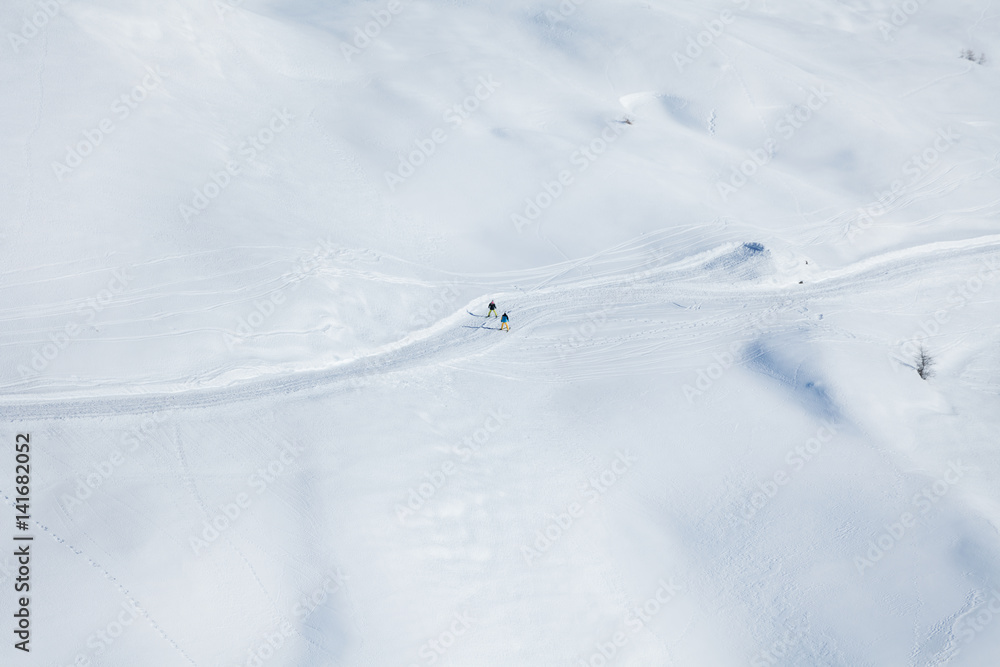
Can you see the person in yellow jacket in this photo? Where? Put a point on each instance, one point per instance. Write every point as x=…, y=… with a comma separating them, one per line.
x=503, y=322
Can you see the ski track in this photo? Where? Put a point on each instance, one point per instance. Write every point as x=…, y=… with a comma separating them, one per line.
x=724, y=309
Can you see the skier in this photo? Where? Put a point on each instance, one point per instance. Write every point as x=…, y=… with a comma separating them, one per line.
x=503, y=322
x=493, y=309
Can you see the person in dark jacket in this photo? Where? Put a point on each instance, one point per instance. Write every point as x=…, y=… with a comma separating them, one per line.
x=503, y=322
x=493, y=309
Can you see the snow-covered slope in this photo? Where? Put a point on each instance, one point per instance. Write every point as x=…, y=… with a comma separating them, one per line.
x=248, y=255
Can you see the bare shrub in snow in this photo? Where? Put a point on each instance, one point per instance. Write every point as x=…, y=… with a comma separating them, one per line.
x=924, y=362
x=971, y=56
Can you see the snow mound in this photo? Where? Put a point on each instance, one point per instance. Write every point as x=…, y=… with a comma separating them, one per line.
x=746, y=262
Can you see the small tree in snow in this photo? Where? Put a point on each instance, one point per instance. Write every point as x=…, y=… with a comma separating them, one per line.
x=924, y=363
x=971, y=56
